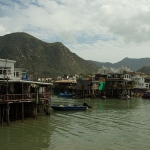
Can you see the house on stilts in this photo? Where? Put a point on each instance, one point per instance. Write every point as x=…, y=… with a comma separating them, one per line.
x=19, y=96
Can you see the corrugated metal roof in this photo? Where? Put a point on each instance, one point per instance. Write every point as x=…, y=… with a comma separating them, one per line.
x=65, y=81
x=24, y=81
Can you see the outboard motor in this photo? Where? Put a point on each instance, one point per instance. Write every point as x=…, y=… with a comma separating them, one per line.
x=85, y=104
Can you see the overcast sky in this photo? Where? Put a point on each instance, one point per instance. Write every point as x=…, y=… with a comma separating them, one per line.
x=99, y=30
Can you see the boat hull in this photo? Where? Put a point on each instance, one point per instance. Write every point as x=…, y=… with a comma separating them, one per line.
x=68, y=108
x=125, y=98
x=65, y=95
x=146, y=95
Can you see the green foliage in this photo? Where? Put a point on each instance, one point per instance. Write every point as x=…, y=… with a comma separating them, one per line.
x=50, y=59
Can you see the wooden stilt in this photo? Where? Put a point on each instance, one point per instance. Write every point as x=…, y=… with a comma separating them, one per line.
x=0, y=115
x=30, y=110
x=35, y=111
x=7, y=114
x=16, y=111
x=44, y=106
x=47, y=107
x=22, y=112
x=38, y=108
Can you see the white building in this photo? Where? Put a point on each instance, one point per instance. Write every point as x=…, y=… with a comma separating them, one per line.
x=112, y=70
x=105, y=70
x=12, y=81
x=139, y=79
x=18, y=73
x=7, y=69
x=123, y=69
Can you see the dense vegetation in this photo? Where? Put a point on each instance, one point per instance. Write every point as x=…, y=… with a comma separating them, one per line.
x=50, y=59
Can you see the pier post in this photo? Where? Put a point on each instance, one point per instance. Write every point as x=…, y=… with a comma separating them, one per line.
x=16, y=111
x=83, y=96
x=35, y=111
x=112, y=93
x=47, y=107
x=44, y=106
x=22, y=112
x=7, y=114
x=0, y=115
x=92, y=93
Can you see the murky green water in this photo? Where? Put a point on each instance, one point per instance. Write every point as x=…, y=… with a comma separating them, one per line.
x=110, y=125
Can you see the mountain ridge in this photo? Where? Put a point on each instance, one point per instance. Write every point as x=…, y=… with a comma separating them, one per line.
x=132, y=63
x=53, y=59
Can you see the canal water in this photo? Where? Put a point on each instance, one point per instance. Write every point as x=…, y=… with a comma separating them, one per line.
x=111, y=124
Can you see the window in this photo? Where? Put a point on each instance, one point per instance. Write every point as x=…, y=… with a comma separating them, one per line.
x=17, y=74
x=8, y=71
x=4, y=71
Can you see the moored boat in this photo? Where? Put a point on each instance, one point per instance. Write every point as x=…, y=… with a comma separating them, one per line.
x=74, y=107
x=125, y=98
x=146, y=94
x=68, y=107
x=65, y=94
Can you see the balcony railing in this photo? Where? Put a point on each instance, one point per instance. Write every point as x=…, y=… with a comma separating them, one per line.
x=24, y=97
x=120, y=86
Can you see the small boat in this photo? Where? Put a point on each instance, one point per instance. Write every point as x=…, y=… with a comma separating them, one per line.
x=125, y=98
x=74, y=107
x=103, y=97
x=65, y=94
x=146, y=94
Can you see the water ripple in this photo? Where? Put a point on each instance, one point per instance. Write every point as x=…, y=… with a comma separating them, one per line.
x=109, y=125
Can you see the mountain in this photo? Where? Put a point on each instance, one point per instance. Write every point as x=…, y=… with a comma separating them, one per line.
x=131, y=63
x=100, y=64
x=51, y=59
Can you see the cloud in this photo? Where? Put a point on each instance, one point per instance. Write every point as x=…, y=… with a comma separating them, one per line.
x=129, y=21
x=3, y=31
x=92, y=29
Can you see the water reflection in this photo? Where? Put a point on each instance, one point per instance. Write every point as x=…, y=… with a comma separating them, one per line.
x=31, y=133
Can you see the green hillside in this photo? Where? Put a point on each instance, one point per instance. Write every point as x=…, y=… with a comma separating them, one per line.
x=145, y=69
x=51, y=59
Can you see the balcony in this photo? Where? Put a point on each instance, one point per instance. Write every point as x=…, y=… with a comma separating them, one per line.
x=24, y=97
x=94, y=87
